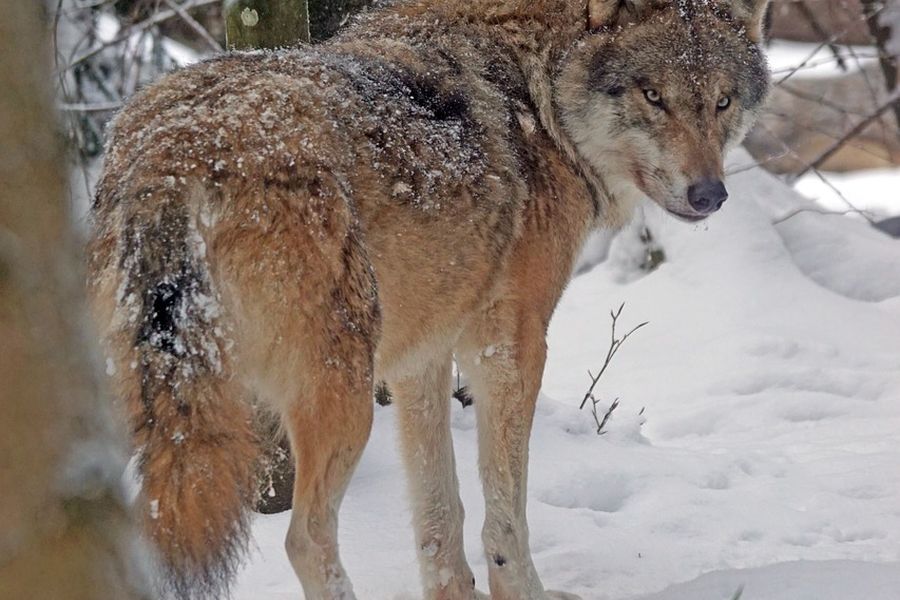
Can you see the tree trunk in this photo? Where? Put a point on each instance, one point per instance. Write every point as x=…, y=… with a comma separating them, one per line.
x=65, y=531
x=326, y=17
x=254, y=24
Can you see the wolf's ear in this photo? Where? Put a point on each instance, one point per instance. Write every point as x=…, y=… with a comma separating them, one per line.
x=752, y=13
x=614, y=12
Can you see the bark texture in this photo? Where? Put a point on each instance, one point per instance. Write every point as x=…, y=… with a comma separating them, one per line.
x=65, y=531
x=252, y=24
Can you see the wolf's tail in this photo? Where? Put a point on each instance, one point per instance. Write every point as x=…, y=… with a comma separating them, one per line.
x=191, y=425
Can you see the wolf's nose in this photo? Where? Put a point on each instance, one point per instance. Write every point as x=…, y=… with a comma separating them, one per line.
x=707, y=196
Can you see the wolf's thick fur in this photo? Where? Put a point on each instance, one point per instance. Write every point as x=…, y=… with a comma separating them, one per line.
x=293, y=226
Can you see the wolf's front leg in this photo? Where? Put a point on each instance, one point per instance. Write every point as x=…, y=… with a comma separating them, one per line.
x=503, y=354
x=423, y=401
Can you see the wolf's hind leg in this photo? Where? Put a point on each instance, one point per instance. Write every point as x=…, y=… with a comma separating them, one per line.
x=328, y=427
x=423, y=402
x=329, y=422
x=308, y=326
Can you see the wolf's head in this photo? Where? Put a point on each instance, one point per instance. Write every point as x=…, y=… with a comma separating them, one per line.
x=658, y=91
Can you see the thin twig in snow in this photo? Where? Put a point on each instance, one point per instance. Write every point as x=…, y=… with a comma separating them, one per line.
x=601, y=423
x=614, y=346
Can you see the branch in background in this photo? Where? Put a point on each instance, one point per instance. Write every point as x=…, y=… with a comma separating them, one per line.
x=893, y=101
x=805, y=62
x=820, y=99
x=810, y=17
x=156, y=19
x=826, y=213
x=756, y=164
x=829, y=42
x=194, y=25
x=882, y=34
x=90, y=107
x=787, y=149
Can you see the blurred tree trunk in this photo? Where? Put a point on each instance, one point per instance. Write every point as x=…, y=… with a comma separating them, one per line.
x=326, y=17
x=253, y=24
x=65, y=531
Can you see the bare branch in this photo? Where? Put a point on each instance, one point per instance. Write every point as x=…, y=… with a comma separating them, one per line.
x=821, y=99
x=152, y=21
x=827, y=213
x=813, y=21
x=92, y=107
x=893, y=101
x=831, y=40
x=193, y=24
x=881, y=34
x=601, y=423
x=614, y=345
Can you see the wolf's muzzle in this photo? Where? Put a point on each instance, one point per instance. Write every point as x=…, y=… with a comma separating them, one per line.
x=707, y=196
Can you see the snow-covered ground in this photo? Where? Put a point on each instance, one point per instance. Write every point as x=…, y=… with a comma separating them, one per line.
x=757, y=441
x=877, y=191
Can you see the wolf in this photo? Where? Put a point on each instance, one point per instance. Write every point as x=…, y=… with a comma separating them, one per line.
x=285, y=229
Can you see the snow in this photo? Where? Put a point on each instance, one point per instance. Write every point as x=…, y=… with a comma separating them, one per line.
x=826, y=580
x=757, y=440
x=814, y=60
x=875, y=191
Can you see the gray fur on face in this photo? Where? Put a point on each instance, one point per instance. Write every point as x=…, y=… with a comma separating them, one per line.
x=644, y=97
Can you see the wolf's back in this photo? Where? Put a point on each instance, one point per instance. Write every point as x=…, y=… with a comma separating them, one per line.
x=167, y=342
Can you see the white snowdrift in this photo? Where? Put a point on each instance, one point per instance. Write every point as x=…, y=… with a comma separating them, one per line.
x=769, y=378
x=824, y=580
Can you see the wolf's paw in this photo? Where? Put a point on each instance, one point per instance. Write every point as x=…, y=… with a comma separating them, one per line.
x=481, y=596
x=555, y=595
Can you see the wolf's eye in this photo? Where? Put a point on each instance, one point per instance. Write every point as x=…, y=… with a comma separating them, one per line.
x=653, y=97
x=724, y=102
